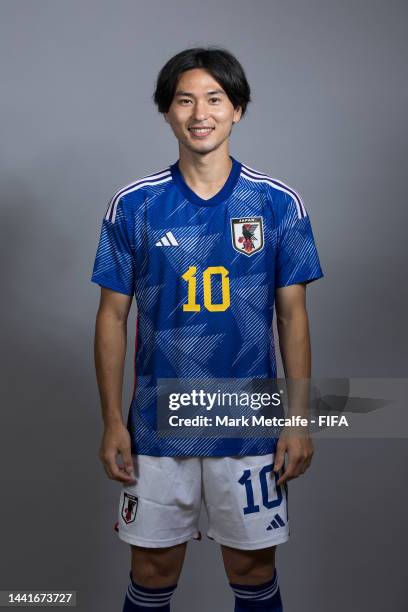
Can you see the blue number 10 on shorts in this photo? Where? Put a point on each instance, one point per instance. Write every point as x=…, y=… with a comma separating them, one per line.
x=245, y=507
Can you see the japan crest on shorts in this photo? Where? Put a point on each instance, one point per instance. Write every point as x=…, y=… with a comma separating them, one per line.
x=129, y=508
x=247, y=235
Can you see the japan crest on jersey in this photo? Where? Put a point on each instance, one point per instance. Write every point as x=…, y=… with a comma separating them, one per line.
x=129, y=508
x=247, y=235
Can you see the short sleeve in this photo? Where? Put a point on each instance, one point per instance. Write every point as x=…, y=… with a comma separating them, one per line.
x=297, y=260
x=114, y=261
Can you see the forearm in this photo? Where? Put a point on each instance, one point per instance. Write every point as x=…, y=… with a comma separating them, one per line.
x=294, y=342
x=295, y=440
x=110, y=353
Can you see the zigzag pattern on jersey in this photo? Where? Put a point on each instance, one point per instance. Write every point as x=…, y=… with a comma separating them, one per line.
x=294, y=226
x=147, y=390
x=272, y=355
x=154, y=181
x=168, y=240
x=192, y=240
x=146, y=296
x=181, y=346
x=149, y=442
x=122, y=263
x=190, y=349
x=298, y=242
x=146, y=237
x=251, y=175
x=145, y=299
x=183, y=343
x=251, y=292
x=270, y=236
x=142, y=246
x=246, y=200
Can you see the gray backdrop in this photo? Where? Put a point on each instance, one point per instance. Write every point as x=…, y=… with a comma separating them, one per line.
x=329, y=118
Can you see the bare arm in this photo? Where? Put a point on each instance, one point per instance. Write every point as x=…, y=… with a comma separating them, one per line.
x=294, y=343
x=110, y=352
x=293, y=329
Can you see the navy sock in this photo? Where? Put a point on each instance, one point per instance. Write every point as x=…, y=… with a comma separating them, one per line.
x=259, y=598
x=142, y=599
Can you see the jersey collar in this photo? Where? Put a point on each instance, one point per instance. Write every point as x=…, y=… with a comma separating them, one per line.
x=219, y=197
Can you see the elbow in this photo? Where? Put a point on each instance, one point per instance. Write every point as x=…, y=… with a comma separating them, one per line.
x=293, y=316
x=112, y=316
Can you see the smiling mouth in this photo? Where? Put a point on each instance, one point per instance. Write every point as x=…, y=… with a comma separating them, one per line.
x=200, y=132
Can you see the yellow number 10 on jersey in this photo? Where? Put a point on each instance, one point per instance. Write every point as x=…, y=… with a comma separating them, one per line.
x=190, y=278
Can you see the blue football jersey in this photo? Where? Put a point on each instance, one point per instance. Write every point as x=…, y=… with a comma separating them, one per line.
x=204, y=275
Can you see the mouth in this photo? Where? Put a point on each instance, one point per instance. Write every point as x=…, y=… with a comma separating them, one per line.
x=200, y=132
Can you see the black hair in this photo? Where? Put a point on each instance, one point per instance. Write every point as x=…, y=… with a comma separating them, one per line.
x=220, y=63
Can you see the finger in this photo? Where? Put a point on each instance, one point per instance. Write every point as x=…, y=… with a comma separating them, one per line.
x=289, y=473
x=113, y=470
x=124, y=476
x=297, y=465
x=279, y=458
x=306, y=464
x=305, y=461
x=128, y=464
x=107, y=460
x=128, y=461
x=119, y=474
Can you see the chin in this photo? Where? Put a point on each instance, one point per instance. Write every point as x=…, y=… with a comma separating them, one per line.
x=204, y=147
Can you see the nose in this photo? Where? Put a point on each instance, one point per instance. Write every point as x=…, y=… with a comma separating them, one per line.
x=200, y=110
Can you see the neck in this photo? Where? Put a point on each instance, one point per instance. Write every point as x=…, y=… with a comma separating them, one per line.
x=205, y=171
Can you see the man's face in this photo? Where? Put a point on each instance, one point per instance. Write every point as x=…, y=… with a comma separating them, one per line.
x=200, y=102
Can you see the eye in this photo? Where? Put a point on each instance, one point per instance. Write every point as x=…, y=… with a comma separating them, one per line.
x=215, y=99
x=182, y=100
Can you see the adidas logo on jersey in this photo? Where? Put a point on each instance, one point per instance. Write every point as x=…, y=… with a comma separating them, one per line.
x=167, y=240
x=275, y=523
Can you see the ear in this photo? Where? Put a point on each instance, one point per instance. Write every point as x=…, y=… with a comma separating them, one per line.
x=237, y=114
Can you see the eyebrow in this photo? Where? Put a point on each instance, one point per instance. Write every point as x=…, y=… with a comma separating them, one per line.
x=209, y=93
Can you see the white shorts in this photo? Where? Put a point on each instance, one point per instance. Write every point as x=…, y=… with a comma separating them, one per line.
x=245, y=508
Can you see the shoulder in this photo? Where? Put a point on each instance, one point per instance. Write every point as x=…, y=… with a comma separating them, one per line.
x=134, y=193
x=281, y=195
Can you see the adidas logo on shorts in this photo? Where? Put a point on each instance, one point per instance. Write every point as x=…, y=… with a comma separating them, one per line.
x=275, y=523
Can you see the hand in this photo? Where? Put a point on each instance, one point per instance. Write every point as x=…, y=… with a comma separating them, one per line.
x=116, y=440
x=300, y=453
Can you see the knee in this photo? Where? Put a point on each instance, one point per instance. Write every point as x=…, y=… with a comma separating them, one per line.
x=153, y=568
x=252, y=573
x=251, y=568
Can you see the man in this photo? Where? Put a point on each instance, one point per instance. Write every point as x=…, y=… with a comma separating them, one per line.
x=207, y=246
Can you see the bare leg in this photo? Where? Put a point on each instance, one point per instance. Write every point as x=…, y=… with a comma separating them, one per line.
x=157, y=567
x=249, y=567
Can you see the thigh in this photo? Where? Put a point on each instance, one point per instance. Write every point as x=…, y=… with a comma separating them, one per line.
x=246, y=509
x=162, y=508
